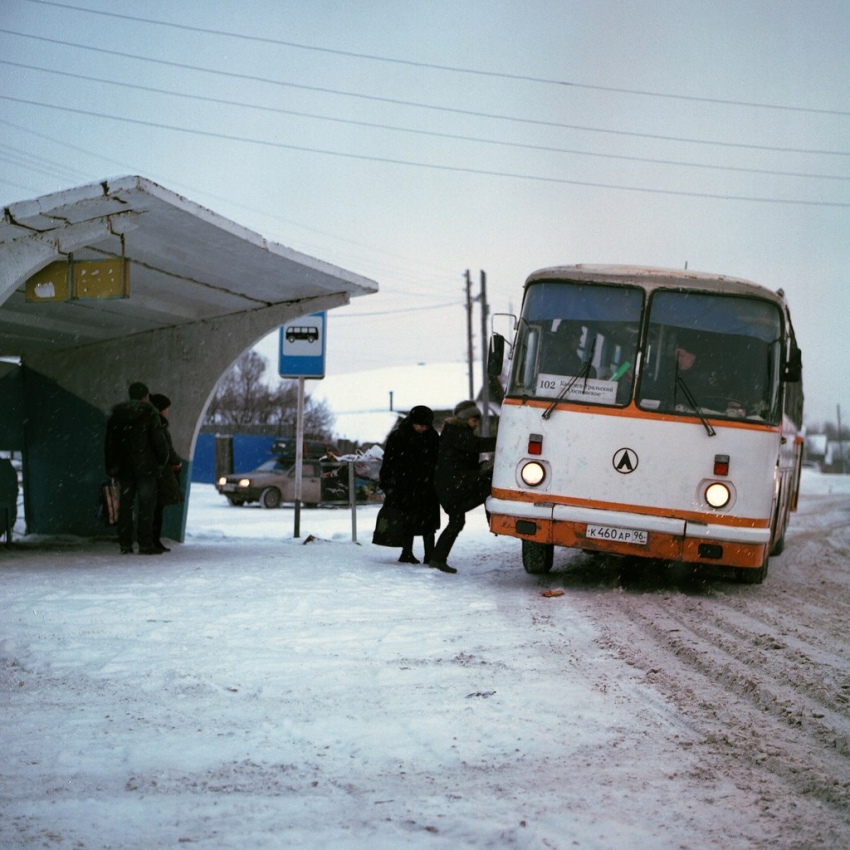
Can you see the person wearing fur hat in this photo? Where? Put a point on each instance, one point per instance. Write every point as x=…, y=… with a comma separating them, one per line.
x=460, y=483
x=168, y=490
x=407, y=479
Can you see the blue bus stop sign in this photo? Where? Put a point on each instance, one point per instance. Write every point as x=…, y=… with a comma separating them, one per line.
x=302, y=347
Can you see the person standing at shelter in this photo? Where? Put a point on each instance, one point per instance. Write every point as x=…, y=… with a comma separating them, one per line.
x=168, y=490
x=136, y=449
x=407, y=479
x=460, y=482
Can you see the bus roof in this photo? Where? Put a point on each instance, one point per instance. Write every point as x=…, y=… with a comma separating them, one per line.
x=651, y=278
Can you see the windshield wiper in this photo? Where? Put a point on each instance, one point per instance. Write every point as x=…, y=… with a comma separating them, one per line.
x=680, y=381
x=584, y=373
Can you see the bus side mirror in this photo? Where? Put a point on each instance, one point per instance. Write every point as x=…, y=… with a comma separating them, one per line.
x=496, y=356
x=794, y=367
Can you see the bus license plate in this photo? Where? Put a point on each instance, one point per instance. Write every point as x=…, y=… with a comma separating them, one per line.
x=617, y=535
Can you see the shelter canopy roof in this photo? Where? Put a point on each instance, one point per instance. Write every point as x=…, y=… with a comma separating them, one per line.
x=186, y=265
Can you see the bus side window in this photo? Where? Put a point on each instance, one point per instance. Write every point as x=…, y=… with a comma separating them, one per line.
x=533, y=345
x=525, y=362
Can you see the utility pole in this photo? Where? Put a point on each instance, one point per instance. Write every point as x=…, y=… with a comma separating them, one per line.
x=485, y=384
x=469, y=331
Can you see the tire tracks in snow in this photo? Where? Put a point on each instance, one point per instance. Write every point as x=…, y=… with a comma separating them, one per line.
x=775, y=710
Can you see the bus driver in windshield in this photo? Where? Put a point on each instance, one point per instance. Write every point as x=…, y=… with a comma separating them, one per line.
x=561, y=356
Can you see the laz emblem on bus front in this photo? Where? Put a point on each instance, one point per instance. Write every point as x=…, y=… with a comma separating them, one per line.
x=625, y=461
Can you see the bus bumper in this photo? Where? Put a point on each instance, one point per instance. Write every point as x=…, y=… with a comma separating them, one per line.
x=666, y=538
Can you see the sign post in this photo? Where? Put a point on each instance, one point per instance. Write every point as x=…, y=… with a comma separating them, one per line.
x=302, y=355
x=299, y=458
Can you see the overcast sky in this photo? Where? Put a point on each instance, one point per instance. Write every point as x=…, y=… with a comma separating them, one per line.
x=411, y=141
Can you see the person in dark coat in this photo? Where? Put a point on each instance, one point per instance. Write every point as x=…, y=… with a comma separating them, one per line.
x=459, y=480
x=168, y=490
x=135, y=451
x=407, y=479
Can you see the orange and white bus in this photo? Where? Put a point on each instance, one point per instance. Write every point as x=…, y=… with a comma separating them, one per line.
x=650, y=413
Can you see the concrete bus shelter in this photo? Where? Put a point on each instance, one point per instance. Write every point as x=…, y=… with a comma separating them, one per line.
x=123, y=281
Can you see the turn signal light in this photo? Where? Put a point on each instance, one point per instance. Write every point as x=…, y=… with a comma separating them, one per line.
x=721, y=464
x=535, y=444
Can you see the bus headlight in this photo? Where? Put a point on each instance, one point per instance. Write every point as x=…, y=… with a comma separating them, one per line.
x=717, y=495
x=533, y=473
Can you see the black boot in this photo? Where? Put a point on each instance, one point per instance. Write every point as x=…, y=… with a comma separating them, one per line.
x=442, y=566
x=428, y=542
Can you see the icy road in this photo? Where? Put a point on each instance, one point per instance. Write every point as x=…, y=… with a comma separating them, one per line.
x=251, y=690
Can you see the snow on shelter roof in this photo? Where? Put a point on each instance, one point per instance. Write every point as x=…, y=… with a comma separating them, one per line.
x=187, y=264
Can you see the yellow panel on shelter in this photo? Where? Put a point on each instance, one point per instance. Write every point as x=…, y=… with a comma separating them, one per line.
x=49, y=284
x=100, y=279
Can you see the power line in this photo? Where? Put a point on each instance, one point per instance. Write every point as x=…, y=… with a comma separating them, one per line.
x=434, y=166
x=21, y=161
x=352, y=315
x=429, y=133
x=201, y=193
x=16, y=185
x=27, y=159
x=449, y=68
x=419, y=105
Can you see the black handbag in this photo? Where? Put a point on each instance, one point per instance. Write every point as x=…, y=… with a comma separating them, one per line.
x=389, y=528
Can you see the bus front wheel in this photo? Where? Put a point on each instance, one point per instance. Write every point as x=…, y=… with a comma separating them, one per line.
x=748, y=575
x=537, y=558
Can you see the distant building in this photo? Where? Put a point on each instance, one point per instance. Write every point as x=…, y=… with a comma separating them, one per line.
x=814, y=449
x=837, y=457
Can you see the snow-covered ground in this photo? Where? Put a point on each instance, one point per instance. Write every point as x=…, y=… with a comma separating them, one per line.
x=252, y=690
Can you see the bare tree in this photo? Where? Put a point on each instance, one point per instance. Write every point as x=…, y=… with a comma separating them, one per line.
x=241, y=397
x=318, y=419
x=244, y=399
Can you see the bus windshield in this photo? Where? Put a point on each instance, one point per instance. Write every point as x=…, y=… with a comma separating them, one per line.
x=701, y=353
x=578, y=342
x=709, y=354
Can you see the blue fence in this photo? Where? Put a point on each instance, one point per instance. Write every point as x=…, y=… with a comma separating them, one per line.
x=249, y=451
